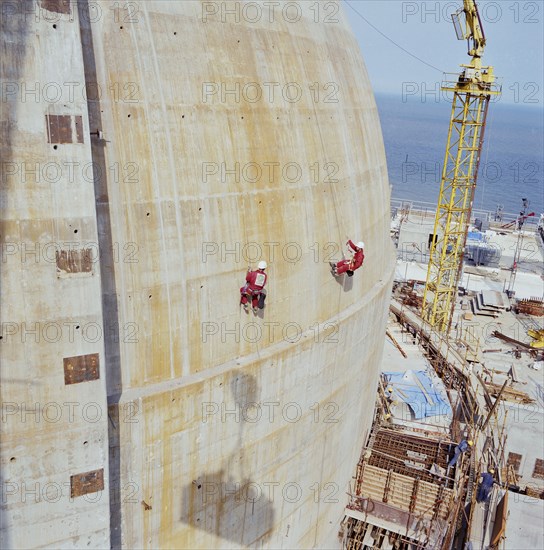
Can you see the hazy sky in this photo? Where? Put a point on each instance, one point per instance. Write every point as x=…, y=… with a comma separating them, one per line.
x=515, y=43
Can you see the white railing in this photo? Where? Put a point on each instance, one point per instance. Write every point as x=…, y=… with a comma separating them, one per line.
x=427, y=211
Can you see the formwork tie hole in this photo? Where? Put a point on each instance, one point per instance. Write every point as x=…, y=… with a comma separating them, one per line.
x=12, y=459
x=75, y=230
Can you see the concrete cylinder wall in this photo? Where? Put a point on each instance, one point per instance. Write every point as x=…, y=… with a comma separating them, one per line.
x=51, y=309
x=225, y=429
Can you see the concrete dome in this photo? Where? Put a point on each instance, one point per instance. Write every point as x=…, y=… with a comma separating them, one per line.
x=191, y=142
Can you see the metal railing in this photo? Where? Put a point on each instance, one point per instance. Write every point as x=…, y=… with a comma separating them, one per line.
x=425, y=211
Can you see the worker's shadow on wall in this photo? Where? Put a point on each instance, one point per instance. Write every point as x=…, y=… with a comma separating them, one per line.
x=226, y=502
x=260, y=313
x=345, y=282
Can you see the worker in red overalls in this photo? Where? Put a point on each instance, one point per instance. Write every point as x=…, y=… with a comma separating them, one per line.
x=352, y=264
x=255, y=281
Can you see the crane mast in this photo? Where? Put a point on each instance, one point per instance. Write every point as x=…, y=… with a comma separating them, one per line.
x=472, y=91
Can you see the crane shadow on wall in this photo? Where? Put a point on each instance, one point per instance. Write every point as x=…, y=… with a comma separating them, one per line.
x=238, y=510
x=226, y=502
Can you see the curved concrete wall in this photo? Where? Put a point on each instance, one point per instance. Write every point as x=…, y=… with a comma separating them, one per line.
x=225, y=429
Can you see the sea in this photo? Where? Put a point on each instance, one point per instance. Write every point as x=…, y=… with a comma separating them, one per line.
x=512, y=161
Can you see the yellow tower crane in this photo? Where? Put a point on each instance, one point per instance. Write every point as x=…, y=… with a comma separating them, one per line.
x=471, y=94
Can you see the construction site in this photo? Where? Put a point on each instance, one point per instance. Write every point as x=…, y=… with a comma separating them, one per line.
x=460, y=399
x=480, y=382
x=431, y=361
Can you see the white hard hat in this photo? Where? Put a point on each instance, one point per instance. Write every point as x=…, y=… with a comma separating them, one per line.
x=360, y=244
x=262, y=265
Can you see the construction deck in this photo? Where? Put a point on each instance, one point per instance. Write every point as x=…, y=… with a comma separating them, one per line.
x=396, y=502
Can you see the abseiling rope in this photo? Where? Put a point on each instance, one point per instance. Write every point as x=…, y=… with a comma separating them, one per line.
x=340, y=290
x=243, y=196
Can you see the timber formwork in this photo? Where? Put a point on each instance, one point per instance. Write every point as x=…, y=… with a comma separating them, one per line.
x=384, y=510
x=397, y=502
x=392, y=450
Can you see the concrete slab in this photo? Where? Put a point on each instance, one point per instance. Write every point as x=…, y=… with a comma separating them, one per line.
x=493, y=298
x=525, y=525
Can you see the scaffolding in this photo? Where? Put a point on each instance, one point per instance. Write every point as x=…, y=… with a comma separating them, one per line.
x=397, y=501
x=405, y=495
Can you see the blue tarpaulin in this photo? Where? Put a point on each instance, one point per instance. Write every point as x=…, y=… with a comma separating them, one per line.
x=475, y=236
x=406, y=388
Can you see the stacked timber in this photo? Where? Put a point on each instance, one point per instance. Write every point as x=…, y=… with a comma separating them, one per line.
x=532, y=306
x=408, y=294
x=509, y=394
x=535, y=492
